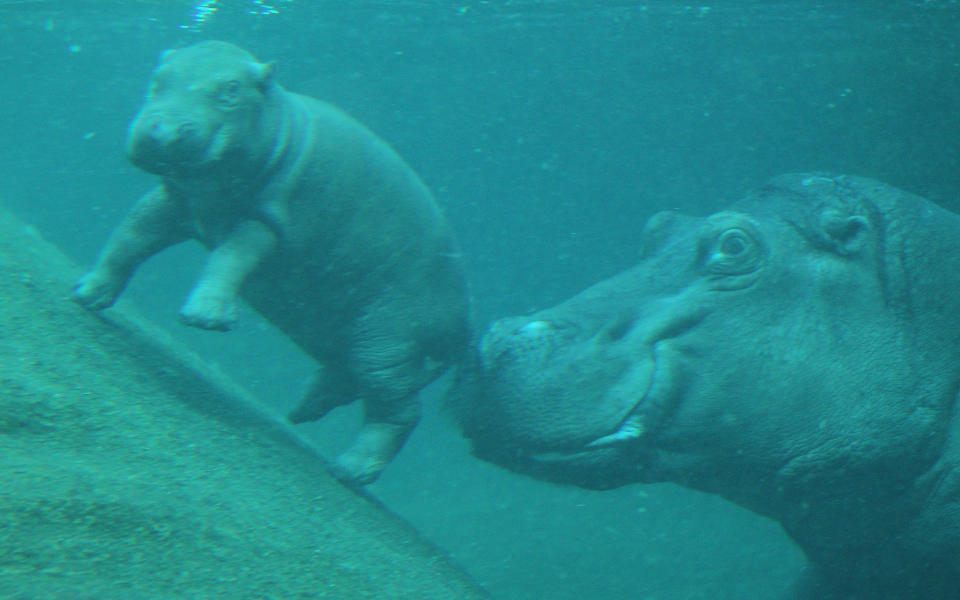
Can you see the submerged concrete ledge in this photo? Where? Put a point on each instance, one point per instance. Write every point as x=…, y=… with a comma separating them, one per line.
x=129, y=469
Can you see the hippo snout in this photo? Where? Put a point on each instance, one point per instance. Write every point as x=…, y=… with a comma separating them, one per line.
x=531, y=405
x=580, y=392
x=160, y=143
x=167, y=134
x=531, y=413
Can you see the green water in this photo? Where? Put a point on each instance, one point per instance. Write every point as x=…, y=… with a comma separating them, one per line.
x=548, y=131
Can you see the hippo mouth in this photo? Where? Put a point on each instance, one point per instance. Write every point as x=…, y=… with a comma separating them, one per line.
x=553, y=395
x=629, y=432
x=634, y=428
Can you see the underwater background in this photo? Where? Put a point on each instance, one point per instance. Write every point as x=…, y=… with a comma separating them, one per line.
x=549, y=131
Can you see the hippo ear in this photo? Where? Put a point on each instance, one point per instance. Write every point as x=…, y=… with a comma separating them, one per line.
x=166, y=55
x=264, y=74
x=845, y=233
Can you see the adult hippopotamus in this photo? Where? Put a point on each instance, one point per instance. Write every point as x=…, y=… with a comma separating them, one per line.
x=313, y=220
x=798, y=354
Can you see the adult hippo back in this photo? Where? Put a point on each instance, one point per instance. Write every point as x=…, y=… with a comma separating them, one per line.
x=798, y=354
x=313, y=220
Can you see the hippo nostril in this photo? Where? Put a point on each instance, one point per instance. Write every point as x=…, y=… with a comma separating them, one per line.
x=158, y=134
x=534, y=329
x=185, y=129
x=535, y=335
x=507, y=341
x=165, y=133
x=618, y=330
x=159, y=129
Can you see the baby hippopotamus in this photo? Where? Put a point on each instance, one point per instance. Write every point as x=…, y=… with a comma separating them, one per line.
x=310, y=218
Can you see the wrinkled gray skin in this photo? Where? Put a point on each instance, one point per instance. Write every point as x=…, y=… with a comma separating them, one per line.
x=312, y=220
x=798, y=354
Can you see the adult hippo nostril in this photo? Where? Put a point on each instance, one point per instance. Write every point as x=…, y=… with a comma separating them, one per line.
x=534, y=329
x=513, y=338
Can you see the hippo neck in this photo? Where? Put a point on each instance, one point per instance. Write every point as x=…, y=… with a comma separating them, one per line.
x=282, y=117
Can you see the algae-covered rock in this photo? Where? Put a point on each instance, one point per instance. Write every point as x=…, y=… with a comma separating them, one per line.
x=131, y=470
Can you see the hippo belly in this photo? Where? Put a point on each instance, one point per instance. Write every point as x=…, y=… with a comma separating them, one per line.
x=796, y=353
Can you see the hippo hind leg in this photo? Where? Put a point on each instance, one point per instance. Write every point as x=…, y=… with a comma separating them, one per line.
x=391, y=411
x=390, y=371
x=330, y=388
x=387, y=424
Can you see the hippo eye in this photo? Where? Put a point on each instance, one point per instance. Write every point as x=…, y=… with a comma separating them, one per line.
x=229, y=93
x=159, y=81
x=734, y=252
x=733, y=242
x=155, y=87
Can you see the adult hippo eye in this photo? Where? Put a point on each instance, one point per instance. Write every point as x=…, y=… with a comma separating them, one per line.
x=735, y=251
x=733, y=242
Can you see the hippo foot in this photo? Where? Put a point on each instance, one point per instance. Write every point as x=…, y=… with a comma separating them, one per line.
x=208, y=311
x=97, y=290
x=356, y=470
x=370, y=454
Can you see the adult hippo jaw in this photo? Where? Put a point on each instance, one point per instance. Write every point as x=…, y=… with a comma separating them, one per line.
x=796, y=354
x=196, y=116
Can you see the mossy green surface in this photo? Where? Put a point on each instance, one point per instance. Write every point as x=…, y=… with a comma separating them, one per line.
x=128, y=469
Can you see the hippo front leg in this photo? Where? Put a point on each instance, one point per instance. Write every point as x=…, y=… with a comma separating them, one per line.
x=213, y=302
x=154, y=223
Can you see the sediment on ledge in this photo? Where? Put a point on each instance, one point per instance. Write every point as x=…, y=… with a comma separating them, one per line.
x=132, y=470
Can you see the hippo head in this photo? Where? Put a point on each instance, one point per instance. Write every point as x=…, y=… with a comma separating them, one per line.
x=203, y=105
x=804, y=333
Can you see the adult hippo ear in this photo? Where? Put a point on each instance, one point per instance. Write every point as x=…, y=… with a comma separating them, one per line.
x=835, y=223
x=845, y=233
x=796, y=354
